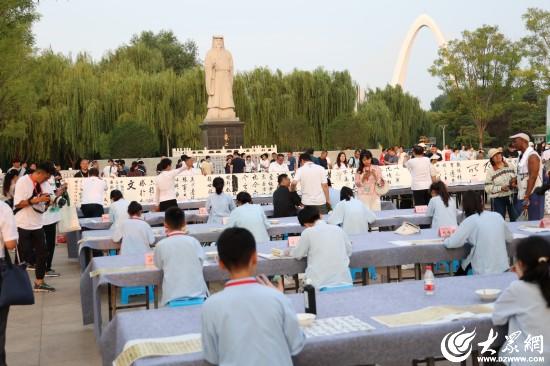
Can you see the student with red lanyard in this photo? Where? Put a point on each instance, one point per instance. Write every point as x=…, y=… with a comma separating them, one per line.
x=180, y=257
x=136, y=234
x=31, y=200
x=249, y=323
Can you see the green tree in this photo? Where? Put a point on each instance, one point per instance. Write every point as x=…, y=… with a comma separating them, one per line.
x=133, y=139
x=537, y=45
x=16, y=104
x=152, y=52
x=479, y=72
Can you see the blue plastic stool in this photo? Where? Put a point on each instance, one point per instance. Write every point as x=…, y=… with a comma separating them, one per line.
x=355, y=271
x=336, y=288
x=445, y=264
x=185, y=302
x=126, y=292
x=111, y=252
x=372, y=273
x=455, y=265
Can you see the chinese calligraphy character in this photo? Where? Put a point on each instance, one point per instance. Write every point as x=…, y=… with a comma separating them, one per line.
x=534, y=343
x=509, y=346
x=487, y=343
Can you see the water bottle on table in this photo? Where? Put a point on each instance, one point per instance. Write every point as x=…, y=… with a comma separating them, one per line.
x=429, y=281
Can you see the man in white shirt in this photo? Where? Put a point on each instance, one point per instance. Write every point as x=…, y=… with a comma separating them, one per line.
x=421, y=176
x=31, y=199
x=8, y=240
x=16, y=165
x=110, y=170
x=278, y=166
x=93, y=194
x=188, y=164
x=313, y=184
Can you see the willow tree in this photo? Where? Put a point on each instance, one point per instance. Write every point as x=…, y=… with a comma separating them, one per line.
x=16, y=104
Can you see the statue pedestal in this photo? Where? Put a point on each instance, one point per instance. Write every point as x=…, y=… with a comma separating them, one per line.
x=218, y=134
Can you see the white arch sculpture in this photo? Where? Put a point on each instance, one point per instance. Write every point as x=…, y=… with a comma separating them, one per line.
x=400, y=71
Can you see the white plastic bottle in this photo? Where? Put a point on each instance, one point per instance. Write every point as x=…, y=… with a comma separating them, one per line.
x=429, y=281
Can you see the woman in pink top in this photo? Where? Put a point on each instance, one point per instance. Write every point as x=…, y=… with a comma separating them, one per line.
x=366, y=178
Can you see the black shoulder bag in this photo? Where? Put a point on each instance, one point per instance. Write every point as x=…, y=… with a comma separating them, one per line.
x=16, y=287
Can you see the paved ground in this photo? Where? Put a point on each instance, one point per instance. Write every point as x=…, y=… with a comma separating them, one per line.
x=50, y=332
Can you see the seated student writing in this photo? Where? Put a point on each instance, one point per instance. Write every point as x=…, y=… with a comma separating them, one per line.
x=442, y=207
x=136, y=234
x=118, y=211
x=525, y=304
x=486, y=232
x=181, y=258
x=250, y=217
x=327, y=248
x=219, y=204
x=354, y=216
x=249, y=323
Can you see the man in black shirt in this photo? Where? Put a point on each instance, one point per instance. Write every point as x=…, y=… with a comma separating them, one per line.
x=83, y=172
x=238, y=163
x=284, y=201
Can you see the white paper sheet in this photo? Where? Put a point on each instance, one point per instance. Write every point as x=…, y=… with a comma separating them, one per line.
x=336, y=325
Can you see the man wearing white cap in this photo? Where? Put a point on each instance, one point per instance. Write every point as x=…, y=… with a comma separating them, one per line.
x=529, y=177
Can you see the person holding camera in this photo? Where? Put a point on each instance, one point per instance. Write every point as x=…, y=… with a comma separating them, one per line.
x=31, y=199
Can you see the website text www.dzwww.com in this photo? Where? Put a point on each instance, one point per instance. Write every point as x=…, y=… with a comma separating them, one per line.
x=505, y=359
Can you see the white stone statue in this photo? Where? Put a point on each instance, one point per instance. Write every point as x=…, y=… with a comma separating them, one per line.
x=218, y=69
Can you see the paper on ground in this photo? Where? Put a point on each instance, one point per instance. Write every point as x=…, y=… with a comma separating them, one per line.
x=336, y=325
x=431, y=314
x=165, y=346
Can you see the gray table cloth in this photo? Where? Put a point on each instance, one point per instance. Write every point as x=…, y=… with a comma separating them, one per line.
x=155, y=219
x=383, y=345
x=193, y=204
x=372, y=249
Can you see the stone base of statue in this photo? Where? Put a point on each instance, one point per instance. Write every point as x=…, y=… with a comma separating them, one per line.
x=222, y=133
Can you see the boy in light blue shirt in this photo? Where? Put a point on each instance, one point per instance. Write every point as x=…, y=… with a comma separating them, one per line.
x=181, y=258
x=327, y=248
x=249, y=323
x=251, y=217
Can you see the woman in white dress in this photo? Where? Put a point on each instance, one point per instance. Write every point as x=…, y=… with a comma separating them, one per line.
x=341, y=162
x=366, y=178
x=264, y=163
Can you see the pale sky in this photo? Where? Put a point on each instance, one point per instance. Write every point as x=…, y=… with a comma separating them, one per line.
x=362, y=36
